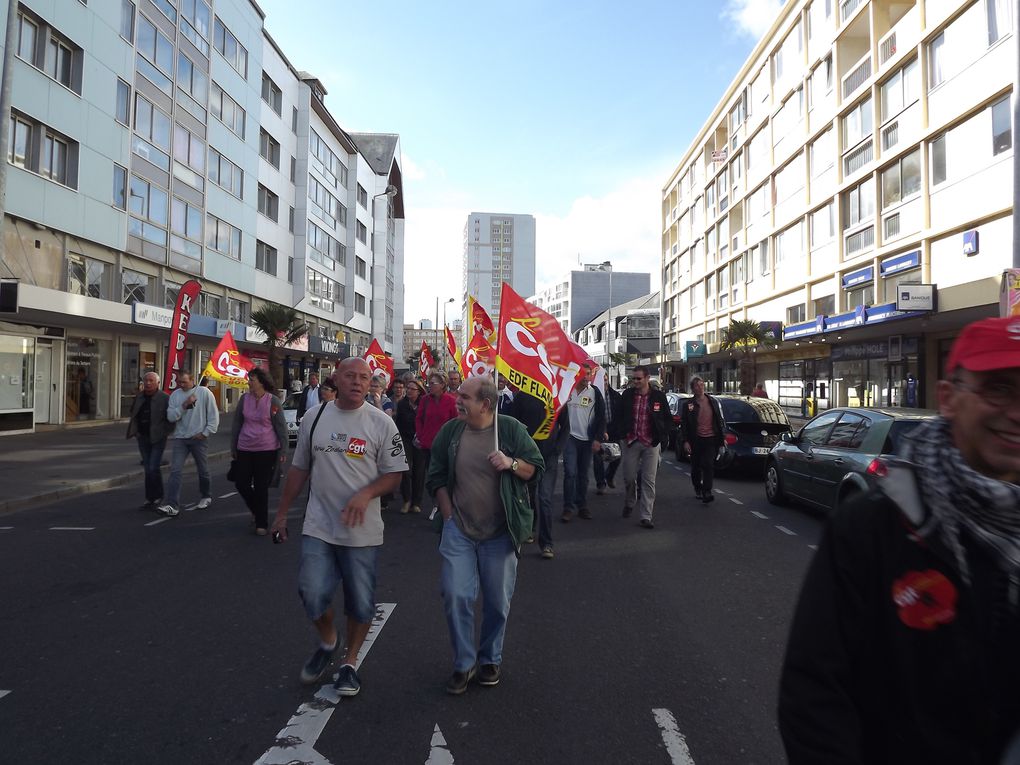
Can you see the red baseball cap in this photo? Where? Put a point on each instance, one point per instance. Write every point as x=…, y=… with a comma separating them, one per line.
x=986, y=345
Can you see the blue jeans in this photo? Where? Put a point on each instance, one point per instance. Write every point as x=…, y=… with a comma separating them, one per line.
x=576, y=464
x=152, y=455
x=466, y=564
x=182, y=447
x=324, y=566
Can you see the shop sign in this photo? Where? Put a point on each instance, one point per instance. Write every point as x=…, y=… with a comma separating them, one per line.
x=855, y=318
x=898, y=263
x=877, y=349
x=915, y=297
x=152, y=315
x=772, y=329
x=804, y=329
x=236, y=330
x=693, y=349
x=888, y=312
x=861, y=276
x=970, y=242
x=326, y=347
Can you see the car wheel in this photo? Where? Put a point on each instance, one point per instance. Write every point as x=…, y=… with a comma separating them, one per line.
x=773, y=484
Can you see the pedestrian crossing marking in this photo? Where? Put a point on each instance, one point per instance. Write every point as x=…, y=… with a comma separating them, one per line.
x=736, y=501
x=787, y=531
x=756, y=514
x=676, y=744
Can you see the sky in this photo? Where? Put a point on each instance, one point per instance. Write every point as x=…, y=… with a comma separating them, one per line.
x=576, y=113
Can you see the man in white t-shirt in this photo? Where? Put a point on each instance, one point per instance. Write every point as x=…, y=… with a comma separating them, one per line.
x=355, y=455
x=586, y=417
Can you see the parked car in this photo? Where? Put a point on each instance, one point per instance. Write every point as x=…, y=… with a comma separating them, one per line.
x=674, y=400
x=837, y=455
x=290, y=407
x=753, y=427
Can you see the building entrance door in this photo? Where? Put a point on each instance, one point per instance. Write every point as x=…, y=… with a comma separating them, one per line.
x=44, y=385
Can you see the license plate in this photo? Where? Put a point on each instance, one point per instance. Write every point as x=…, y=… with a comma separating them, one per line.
x=760, y=450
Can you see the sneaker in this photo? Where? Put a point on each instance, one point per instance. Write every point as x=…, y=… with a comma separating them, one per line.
x=707, y=497
x=488, y=675
x=261, y=531
x=347, y=682
x=567, y=515
x=316, y=666
x=627, y=511
x=530, y=540
x=697, y=493
x=647, y=523
x=405, y=508
x=600, y=490
x=169, y=510
x=458, y=682
x=203, y=504
x=415, y=509
x=584, y=513
x=547, y=552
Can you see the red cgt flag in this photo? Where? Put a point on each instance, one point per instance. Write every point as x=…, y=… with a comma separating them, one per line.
x=425, y=362
x=451, y=346
x=379, y=363
x=479, y=320
x=228, y=366
x=479, y=357
x=535, y=355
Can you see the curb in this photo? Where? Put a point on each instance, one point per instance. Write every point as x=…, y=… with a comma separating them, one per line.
x=88, y=487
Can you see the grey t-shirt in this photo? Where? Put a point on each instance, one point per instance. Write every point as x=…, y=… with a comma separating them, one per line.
x=351, y=449
x=581, y=410
x=477, y=507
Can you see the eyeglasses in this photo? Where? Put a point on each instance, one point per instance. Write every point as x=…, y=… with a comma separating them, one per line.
x=1000, y=394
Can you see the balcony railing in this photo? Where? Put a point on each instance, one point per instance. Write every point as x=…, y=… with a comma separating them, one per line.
x=857, y=77
x=858, y=158
x=847, y=8
x=860, y=241
x=887, y=48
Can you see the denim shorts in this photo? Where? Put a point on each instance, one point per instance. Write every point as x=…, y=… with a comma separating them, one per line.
x=324, y=566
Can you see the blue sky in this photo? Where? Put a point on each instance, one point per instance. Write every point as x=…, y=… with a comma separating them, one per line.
x=573, y=112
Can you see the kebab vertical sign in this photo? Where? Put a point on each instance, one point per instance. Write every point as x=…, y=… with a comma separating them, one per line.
x=177, y=350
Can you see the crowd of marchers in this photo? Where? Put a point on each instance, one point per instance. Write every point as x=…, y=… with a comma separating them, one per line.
x=903, y=647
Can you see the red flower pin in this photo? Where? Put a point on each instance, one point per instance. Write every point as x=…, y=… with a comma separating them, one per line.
x=925, y=599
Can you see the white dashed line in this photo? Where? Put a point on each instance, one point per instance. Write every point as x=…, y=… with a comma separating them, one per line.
x=787, y=531
x=72, y=528
x=736, y=501
x=6, y=528
x=224, y=496
x=676, y=744
x=756, y=514
x=158, y=520
x=720, y=491
x=4, y=693
x=813, y=547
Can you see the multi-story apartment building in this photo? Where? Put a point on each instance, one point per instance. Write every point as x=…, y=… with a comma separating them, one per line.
x=862, y=153
x=631, y=329
x=498, y=247
x=153, y=142
x=580, y=295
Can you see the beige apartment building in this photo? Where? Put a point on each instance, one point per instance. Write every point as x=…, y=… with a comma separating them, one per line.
x=853, y=188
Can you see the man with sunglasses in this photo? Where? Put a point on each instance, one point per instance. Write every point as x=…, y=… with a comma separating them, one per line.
x=904, y=644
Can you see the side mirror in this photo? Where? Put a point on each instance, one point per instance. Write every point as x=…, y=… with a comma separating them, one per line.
x=788, y=438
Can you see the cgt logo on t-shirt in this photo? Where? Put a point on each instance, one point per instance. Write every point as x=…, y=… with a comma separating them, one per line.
x=357, y=448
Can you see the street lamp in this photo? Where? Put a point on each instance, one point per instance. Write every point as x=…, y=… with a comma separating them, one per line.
x=608, y=266
x=445, y=304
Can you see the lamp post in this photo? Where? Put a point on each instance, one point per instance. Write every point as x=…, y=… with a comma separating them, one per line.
x=389, y=193
x=445, y=303
x=608, y=266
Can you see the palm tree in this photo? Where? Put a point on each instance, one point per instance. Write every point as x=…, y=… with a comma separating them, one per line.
x=281, y=326
x=746, y=335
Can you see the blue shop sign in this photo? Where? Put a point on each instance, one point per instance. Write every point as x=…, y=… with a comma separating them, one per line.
x=694, y=348
x=855, y=318
x=804, y=329
x=860, y=276
x=887, y=312
x=899, y=263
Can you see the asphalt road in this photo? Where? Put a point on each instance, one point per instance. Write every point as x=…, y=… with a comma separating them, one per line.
x=128, y=639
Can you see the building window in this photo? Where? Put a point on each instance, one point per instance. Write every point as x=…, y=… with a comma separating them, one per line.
x=148, y=205
x=290, y=220
x=938, y=160
x=153, y=126
x=269, y=148
x=902, y=181
x=1002, y=126
x=325, y=205
x=293, y=169
x=824, y=306
x=1000, y=15
x=55, y=156
x=293, y=119
x=272, y=94
x=265, y=258
x=326, y=162
x=360, y=267
x=209, y=304
x=226, y=110
x=362, y=232
x=120, y=176
x=123, y=110
x=190, y=150
x=237, y=310
x=222, y=237
x=859, y=203
x=127, y=20
x=192, y=87
x=323, y=291
x=89, y=277
x=155, y=59
x=269, y=204
x=823, y=225
x=171, y=290
x=186, y=229
x=359, y=303
x=227, y=45
x=225, y=173
x=901, y=90
x=136, y=287
x=362, y=196
x=796, y=314
x=195, y=22
x=857, y=124
x=325, y=249
x=863, y=295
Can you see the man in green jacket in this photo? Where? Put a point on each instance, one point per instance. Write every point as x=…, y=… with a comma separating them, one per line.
x=483, y=497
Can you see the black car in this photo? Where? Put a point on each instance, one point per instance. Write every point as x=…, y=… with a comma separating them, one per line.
x=753, y=426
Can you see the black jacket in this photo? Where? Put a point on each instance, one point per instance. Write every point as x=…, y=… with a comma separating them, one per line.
x=302, y=405
x=689, y=408
x=658, y=410
x=159, y=426
x=891, y=657
x=404, y=417
x=530, y=411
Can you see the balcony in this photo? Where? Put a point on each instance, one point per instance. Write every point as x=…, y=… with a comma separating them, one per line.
x=856, y=77
x=903, y=34
x=847, y=9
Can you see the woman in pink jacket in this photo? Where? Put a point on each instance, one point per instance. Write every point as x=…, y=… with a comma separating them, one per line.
x=436, y=409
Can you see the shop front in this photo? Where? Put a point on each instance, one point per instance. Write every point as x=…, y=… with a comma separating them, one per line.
x=879, y=373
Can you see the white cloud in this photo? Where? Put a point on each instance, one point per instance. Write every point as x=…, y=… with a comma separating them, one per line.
x=752, y=17
x=411, y=170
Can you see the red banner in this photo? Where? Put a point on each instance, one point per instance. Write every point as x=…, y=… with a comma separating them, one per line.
x=479, y=357
x=451, y=346
x=177, y=349
x=535, y=355
x=479, y=321
x=379, y=363
x=227, y=365
x=425, y=362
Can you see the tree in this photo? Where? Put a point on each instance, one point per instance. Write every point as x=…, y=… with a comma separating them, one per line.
x=746, y=336
x=281, y=326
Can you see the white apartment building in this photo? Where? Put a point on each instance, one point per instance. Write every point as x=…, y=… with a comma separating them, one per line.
x=498, y=247
x=153, y=142
x=579, y=295
x=862, y=153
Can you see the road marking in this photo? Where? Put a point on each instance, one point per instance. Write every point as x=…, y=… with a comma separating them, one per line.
x=296, y=741
x=72, y=528
x=813, y=547
x=736, y=501
x=439, y=754
x=676, y=744
x=756, y=514
x=224, y=496
x=6, y=528
x=158, y=520
x=720, y=491
x=4, y=693
x=787, y=531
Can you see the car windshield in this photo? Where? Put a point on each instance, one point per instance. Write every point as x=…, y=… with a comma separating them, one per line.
x=754, y=414
x=292, y=401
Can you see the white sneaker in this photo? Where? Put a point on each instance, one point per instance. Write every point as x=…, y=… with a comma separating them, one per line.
x=169, y=510
x=203, y=504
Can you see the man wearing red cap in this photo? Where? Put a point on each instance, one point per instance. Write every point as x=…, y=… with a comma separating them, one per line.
x=905, y=647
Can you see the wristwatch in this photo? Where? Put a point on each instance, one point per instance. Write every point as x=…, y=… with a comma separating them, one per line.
x=514, y=465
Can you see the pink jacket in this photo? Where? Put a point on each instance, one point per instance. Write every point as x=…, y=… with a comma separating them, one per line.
x=432, y=415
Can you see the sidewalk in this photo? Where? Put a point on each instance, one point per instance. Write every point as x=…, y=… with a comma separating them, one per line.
x=39, y=468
